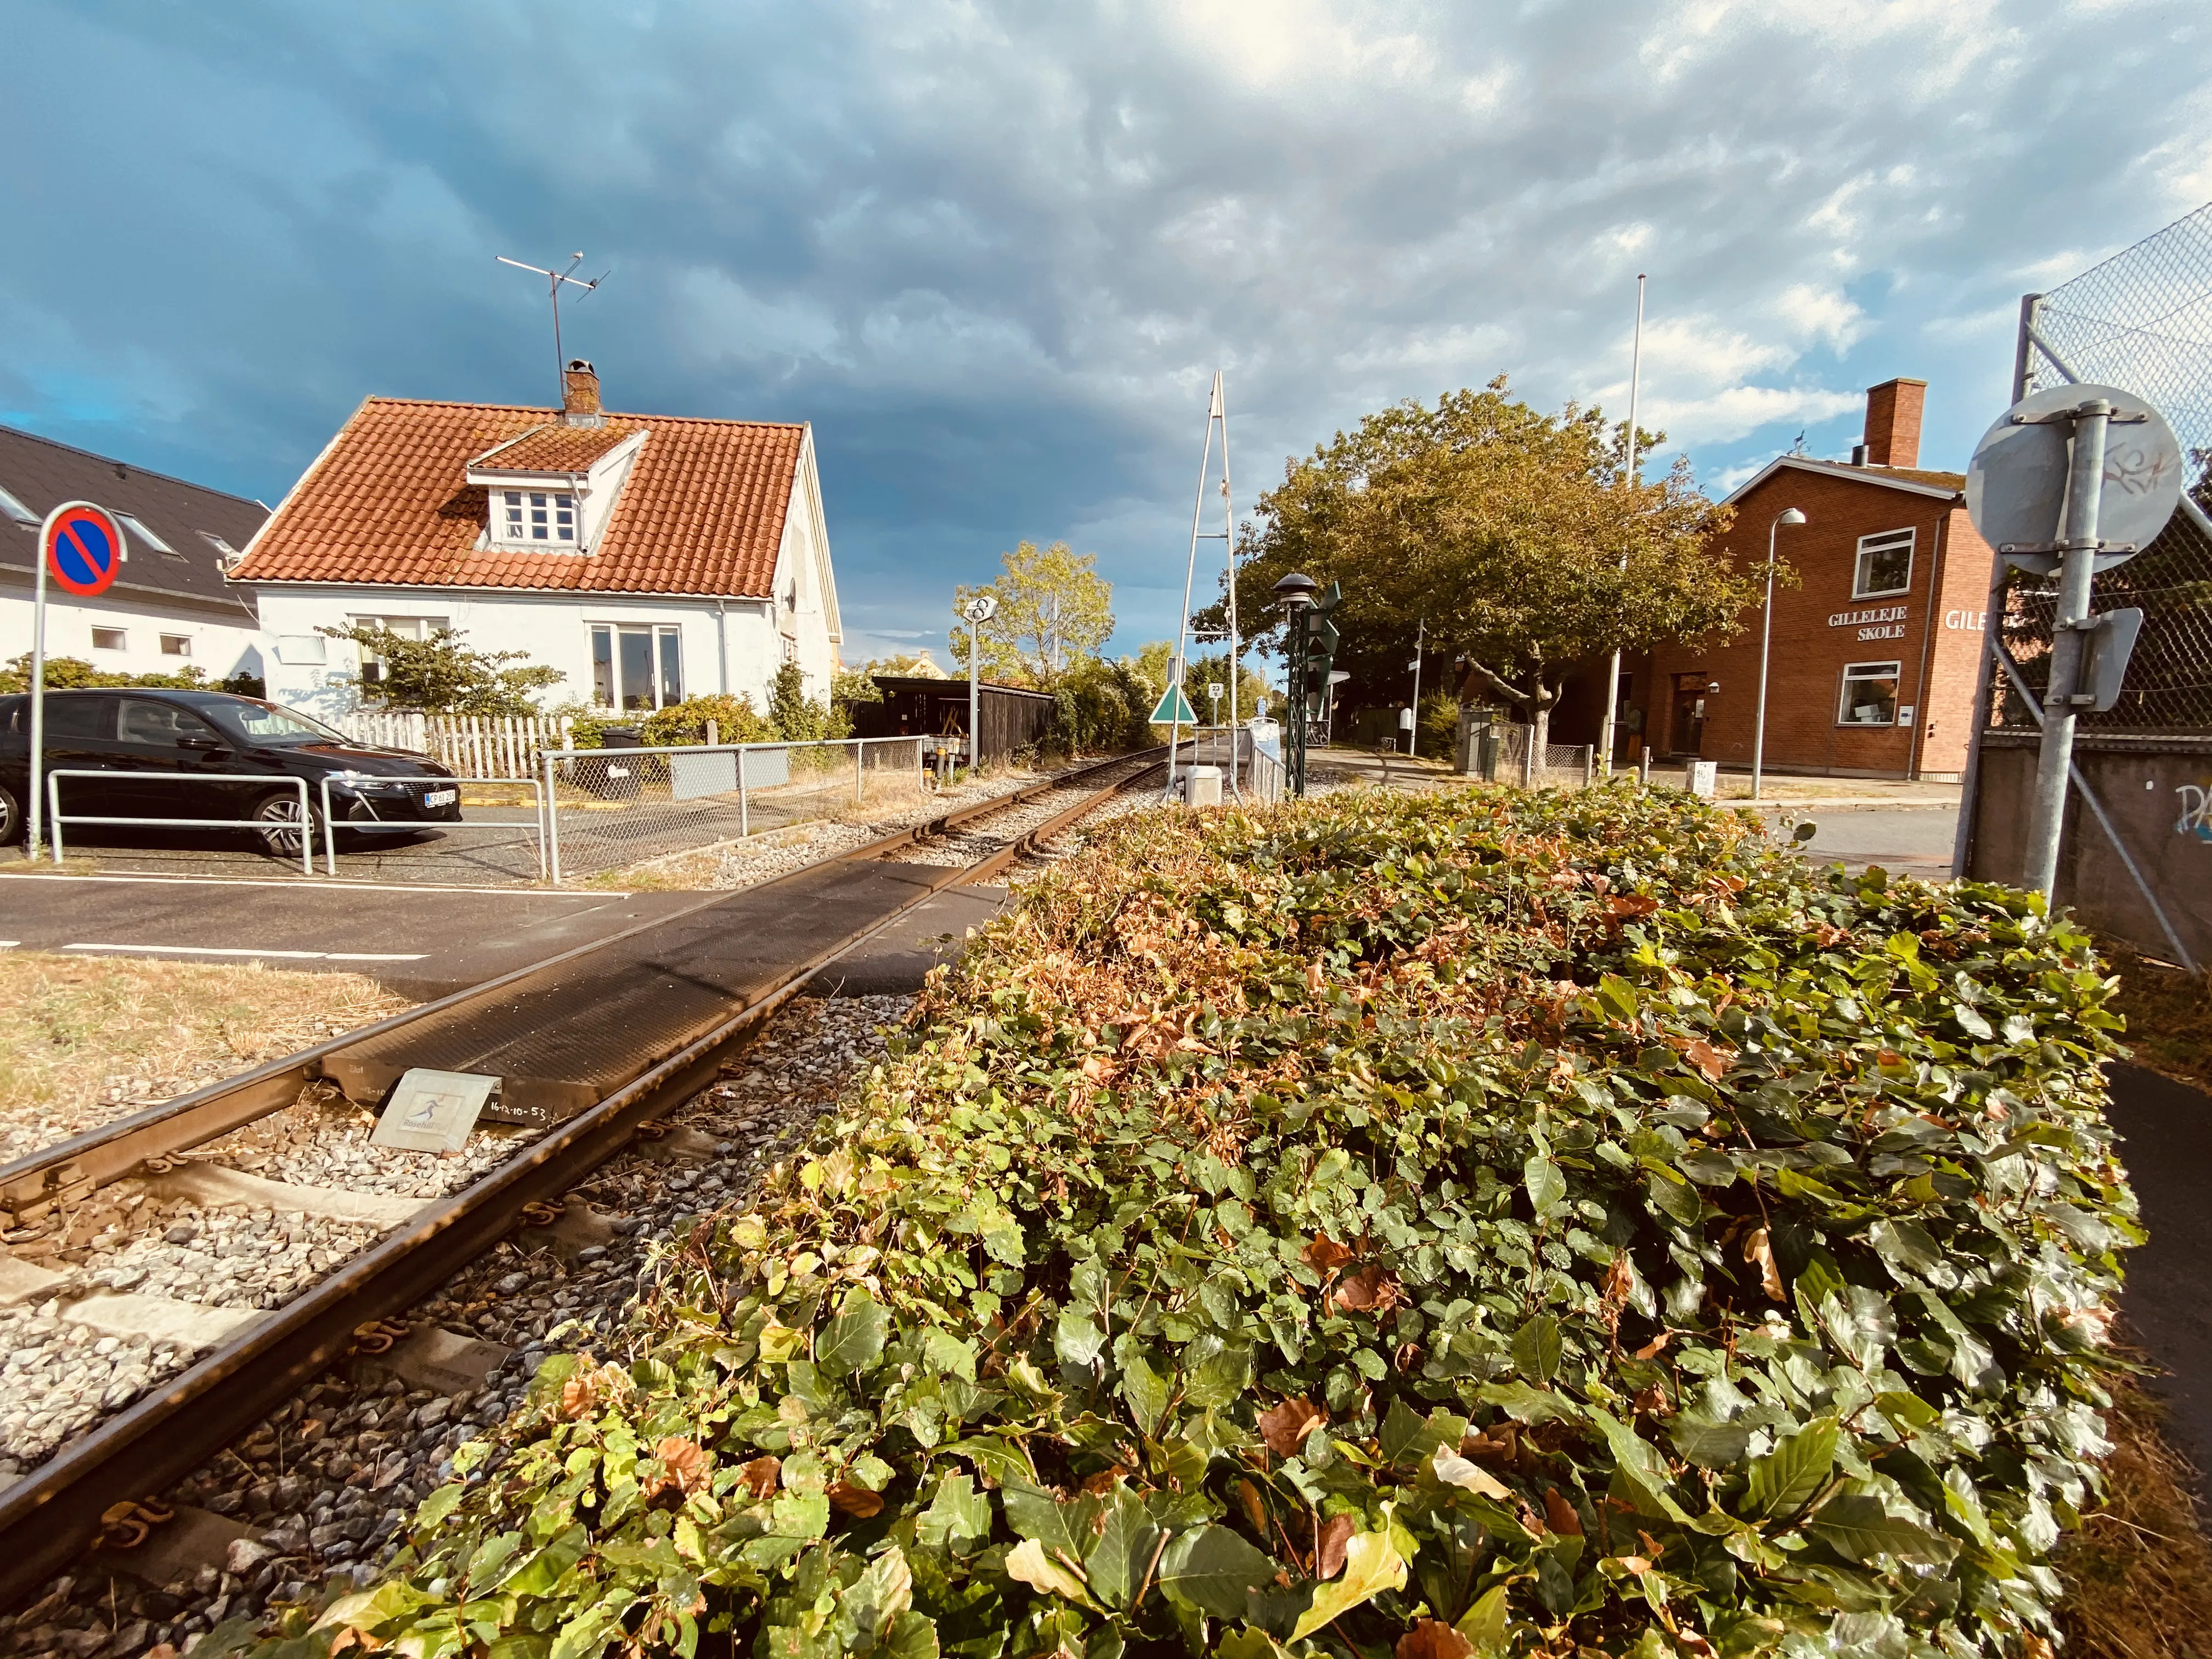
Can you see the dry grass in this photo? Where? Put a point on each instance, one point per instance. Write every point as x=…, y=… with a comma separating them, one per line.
x=89, y=1038
x=2169, y=1015
x=2138, y=1571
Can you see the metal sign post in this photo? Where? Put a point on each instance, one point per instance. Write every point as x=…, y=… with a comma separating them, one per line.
x=83, y=546
x=978, y=611
x=2054, y=490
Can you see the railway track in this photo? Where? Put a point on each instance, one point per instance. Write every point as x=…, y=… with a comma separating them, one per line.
x=592, y=1046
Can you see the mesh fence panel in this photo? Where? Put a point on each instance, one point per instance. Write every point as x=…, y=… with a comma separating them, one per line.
x=616, y=807
x=2142, y=321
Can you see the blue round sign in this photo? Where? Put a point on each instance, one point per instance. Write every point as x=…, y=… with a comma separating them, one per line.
x=83, y=547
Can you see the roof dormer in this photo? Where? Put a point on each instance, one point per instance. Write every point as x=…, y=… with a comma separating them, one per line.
x=552, y=489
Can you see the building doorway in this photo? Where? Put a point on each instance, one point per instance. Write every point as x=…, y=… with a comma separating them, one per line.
x=1689, y=732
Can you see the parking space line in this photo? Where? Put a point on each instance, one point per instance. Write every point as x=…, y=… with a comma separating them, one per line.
x=300, y=885
x=239, y=950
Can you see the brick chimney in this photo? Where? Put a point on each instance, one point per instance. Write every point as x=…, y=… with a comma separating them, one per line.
x=1892, y=423
x=580, y=396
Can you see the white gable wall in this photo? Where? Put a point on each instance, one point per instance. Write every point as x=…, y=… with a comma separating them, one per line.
x=224, y=640
x=805, y=584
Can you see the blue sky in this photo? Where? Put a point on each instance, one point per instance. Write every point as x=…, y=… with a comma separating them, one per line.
x=994, y=253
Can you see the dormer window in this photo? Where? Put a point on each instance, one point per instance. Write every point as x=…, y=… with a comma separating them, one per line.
x=536, y=515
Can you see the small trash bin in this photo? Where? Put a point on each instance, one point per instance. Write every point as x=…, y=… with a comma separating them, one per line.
x=1205, y=785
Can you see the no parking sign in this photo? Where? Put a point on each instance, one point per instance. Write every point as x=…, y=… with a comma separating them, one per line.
x=82, y=546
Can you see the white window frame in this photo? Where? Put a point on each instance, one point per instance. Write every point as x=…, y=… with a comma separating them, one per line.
x=1883, y=541
x=667, y=643
x=522, y=516
x=176, y=645
x=121, y=638
x=145, y=534
x=1860, y=672
x=11, y=507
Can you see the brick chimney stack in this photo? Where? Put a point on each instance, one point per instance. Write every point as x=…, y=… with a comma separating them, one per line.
x=1892, y=423
x=580, y=395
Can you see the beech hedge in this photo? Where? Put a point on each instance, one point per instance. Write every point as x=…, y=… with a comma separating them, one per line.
x=1481, y=1224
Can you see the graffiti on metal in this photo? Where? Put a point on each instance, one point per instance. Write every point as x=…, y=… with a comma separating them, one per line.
x=2196, y=817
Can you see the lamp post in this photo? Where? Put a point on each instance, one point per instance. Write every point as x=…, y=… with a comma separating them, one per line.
x=1789, y=515
x=1296, y=594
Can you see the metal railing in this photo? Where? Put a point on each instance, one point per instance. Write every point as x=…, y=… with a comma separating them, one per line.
x=608, y=808
x=271, y=830
x=536, y=827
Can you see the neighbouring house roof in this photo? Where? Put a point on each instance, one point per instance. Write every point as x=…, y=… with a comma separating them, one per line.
x=41, y=475
x=1920, y=481
x=701, y=512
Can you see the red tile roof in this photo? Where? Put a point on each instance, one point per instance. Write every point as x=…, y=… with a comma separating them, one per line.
x=555, y=448
x=702, y=510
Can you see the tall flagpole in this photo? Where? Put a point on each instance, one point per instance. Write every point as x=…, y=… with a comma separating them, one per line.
x=1606, y=736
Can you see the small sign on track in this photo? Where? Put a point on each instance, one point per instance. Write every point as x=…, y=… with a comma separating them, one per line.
x=433, y=1111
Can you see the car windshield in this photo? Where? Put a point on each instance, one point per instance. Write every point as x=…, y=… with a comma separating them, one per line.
x=265, y=722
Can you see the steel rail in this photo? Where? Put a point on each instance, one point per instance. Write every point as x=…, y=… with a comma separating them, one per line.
x=33, y=1185
x=48, y=1517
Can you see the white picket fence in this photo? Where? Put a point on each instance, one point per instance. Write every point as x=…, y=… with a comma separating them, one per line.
x=473, y=745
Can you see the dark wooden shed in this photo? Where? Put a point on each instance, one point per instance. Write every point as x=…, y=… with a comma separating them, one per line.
x=1013, y=716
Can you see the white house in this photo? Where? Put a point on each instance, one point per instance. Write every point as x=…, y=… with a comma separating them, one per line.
x=168, y=608
x=649, y=558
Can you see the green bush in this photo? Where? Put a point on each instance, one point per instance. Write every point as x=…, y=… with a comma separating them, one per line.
x=75, y=674
x=1471, y=1224
x=798, y=718
x=682, y=723
x=1099, y=707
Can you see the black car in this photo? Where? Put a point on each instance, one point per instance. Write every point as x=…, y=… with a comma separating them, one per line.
x=209, y=738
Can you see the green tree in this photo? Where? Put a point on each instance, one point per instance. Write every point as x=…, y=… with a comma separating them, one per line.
x=798, y=718
x=1252, y=693
x=1100, y=707
x=1512, y=531
x=75, y=674
x=685, y=724
x=442, y=675
x=1055, y=609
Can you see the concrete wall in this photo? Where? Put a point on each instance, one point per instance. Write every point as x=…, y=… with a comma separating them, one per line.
x=2157, y=793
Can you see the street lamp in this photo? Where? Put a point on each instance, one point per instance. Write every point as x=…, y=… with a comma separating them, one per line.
x=1789, y=515
x=1294, y=593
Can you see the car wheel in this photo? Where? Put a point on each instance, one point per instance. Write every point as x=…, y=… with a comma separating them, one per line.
x=11, y=817
x=280, y=812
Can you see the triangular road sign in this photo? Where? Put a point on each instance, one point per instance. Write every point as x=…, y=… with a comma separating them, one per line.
x=1174, y=708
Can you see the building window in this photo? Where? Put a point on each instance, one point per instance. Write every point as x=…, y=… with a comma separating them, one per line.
x=110, y=639
x=407, y=628
x=145, y=537
x=536, y=515
x=176, y=645
x=12, y=508
x=636, y=667
x=1885, y=565
x=1869, y=695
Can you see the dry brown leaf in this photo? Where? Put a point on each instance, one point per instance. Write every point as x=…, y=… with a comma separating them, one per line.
x=1431, y=1638
x=1619, y=1279
x=1284, y=1427
x=1757, y=1249
x=1559, y=1513
x=1631, y=904
x=1314, y=980
x=1373, y=1290
x=1651, y=1349
x=1335, y=1540
x=1713, y=1062
x=760, y=1476
x=1255, y=1510
x=856, y=1501
x=579, y=1394
x=1500, y=1444
x=1635, y=1563
x=1102, y=1482
x=684, y=1466
x=1324, y=1254
x=1651, y=1401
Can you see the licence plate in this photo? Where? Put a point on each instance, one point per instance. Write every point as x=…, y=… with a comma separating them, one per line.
x=440, y=796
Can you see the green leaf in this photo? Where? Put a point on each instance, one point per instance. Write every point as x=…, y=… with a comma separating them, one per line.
x=1708, y=1443
x=1028, y=1563
x=1213, y=1567
x=1860, y=1529
x=1116, y=1561
x=1371, y=1565
x=1489, y=1622
x=1145, y=1390
x=958, y=1518
x=1905, y=1246
x=1788, y=1477
x=1537, y=1347
x=855, y=1339
x=1076, y=1338
x=1221, y=1377
x=1056, y=1524
x=948, y=1354
x=1861, y=1323
x=1545, y=1184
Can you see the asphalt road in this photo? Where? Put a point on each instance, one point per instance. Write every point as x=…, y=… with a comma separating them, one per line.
x=419, y=942
x=1909, y=839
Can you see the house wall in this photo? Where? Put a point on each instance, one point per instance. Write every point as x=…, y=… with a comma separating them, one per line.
x=553, y=629
x=223, y=641
x=1932, y=631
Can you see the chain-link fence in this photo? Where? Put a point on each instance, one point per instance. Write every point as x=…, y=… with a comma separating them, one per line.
x=2141, y=321
x=611, y=808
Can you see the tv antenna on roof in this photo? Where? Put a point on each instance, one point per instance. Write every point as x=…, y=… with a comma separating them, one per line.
x=553, y=280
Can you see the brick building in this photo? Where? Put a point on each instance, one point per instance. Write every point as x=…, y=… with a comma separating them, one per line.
x=1874, y=650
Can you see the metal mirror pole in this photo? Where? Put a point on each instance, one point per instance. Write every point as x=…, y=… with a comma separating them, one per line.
x=2069, y=635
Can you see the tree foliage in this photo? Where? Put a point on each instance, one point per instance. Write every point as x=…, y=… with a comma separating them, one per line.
x=1100, y=707
x=684, y=724
x=75, y=674
x=798, y=718
x=1055, y=609
x=1464, y=1224
x=442, y=675
x=1513, y=533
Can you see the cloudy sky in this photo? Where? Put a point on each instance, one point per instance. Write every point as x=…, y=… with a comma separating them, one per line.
x=995, y=251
